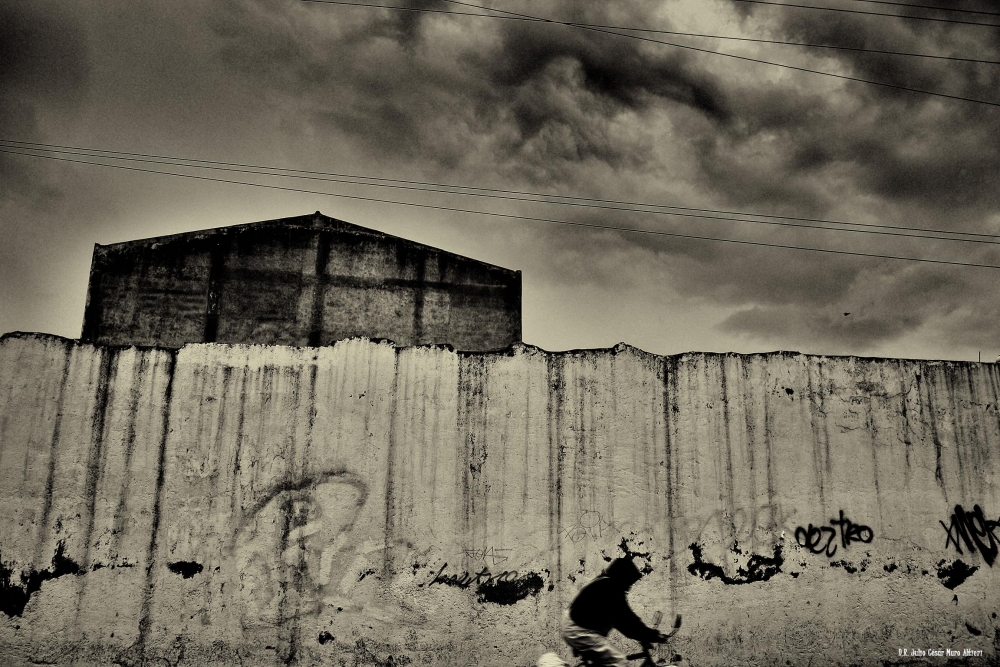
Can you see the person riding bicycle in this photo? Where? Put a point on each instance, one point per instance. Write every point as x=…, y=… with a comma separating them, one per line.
x=601, y=606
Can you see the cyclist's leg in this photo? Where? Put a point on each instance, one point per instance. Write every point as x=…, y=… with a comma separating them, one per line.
x=605, y=655
x=593, y=646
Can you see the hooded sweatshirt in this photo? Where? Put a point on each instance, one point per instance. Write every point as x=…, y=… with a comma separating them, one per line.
x=601, y=605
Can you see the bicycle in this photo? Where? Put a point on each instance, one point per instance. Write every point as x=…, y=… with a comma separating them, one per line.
x=553, y=660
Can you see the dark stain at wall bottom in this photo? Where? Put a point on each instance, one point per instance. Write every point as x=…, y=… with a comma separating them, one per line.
x=14, y=597
x=854, y=569
x=758, y=568
x=954, y=575
x=186, y=569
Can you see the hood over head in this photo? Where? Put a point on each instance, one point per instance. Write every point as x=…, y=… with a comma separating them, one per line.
x=623, y=571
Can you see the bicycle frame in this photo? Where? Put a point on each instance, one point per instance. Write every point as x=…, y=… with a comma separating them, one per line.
x=645, y=654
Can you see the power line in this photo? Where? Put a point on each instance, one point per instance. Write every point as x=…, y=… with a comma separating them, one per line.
x=513, y=216
x=515, y=195
x=548, y=198
x=939, y=9
x=659, y=31
x=745, y=58
x=860, y=11
x=721, y=53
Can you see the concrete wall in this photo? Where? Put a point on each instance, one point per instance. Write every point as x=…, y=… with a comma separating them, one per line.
x=366, y=505
x=310, y=280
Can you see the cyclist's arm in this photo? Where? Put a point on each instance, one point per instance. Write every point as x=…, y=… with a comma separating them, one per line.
x=630, y=625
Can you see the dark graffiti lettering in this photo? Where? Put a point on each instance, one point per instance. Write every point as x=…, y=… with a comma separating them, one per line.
x=973, y=530
x=817, y=539
x=504, y=588
x=467, y=579
x=820, y=539
x=852, y=532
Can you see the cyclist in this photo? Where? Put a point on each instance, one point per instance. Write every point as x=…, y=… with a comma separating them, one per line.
x=601, y=606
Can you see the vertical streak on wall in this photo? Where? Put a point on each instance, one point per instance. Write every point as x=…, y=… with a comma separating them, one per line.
x=139, y=375
x=904, y=416
x=473, y=378
x=95, y=456
x=315, y=332
x=952, y=428
x=768, y=418
x=161, y=469
x=875, y=388
x=419, y=296
x=391, y=488
x=95, y=465
x=50, y=479
x=216, y=273
x=669, y=374
x=294, y=517
x=726, y=471
x=929, y=418
x=819, y=412
x=556, y=383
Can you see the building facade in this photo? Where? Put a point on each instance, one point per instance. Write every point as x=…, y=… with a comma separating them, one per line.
x=302, y=281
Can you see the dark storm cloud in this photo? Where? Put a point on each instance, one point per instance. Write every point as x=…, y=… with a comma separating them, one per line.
x=548, y=107
x=534, y=95
x=910, y=148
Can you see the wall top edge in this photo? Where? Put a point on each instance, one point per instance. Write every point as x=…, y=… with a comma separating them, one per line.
x=517, y=349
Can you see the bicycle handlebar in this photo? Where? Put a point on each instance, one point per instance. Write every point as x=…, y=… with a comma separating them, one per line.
x=648, y=646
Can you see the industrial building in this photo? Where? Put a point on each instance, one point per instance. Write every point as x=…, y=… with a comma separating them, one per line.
x=306, y=280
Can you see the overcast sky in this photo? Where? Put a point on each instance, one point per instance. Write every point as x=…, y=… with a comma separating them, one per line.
x=545, y=108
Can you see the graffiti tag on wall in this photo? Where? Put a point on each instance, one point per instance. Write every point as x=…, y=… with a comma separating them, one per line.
x=309, y=524
x=820, y=539
x=594, y=525
x=973, y=530
x=753, y=525
x=488, y=553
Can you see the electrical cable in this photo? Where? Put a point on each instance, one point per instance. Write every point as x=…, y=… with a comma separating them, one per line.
x=860, y=11
x=516, y=217
x=746, y=58
x=530, y=197
x=939, y=9
x=661, y=32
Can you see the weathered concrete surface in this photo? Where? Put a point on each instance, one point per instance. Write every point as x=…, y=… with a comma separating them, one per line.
x=306, y=280
x=343, y=505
